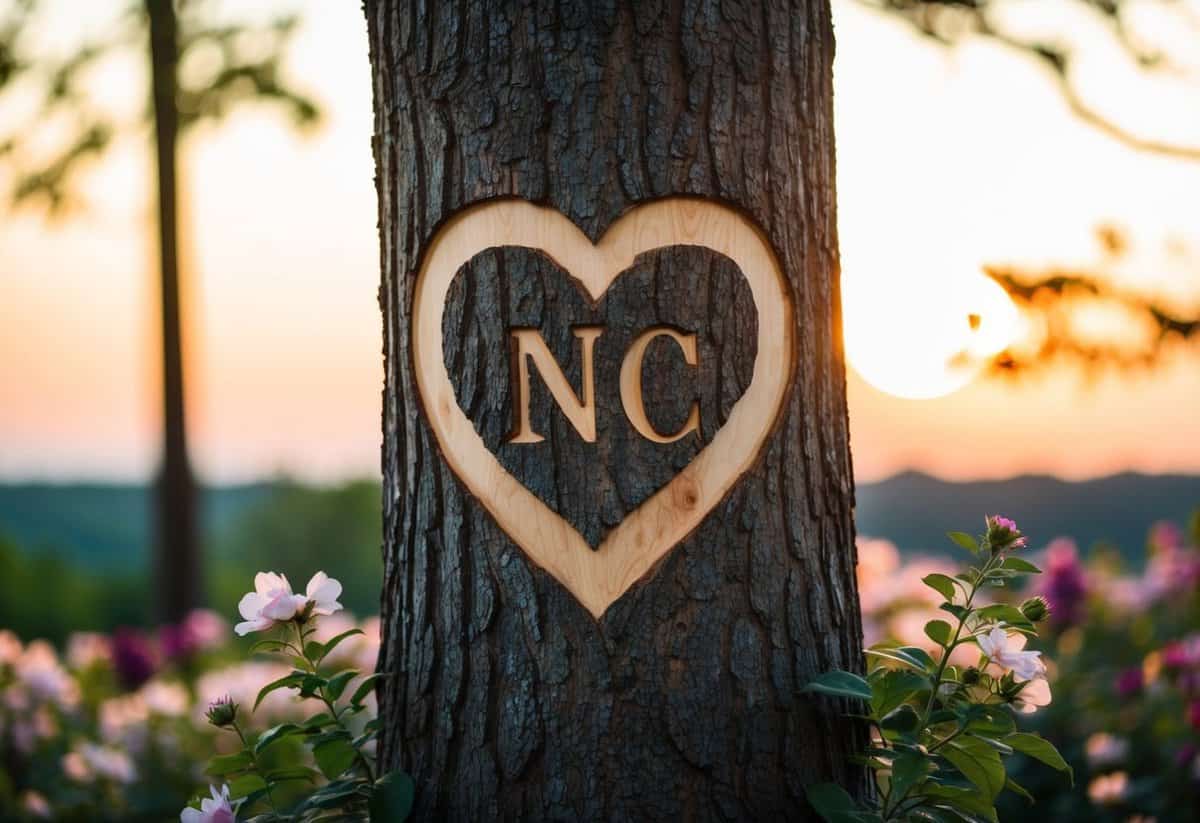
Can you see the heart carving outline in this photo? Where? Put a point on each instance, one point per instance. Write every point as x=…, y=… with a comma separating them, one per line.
x=597, y=578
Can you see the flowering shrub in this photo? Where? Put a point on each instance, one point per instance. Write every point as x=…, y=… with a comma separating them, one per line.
x=942, y=732
x=341, y=750
x=1122, y=650
x=114, y=728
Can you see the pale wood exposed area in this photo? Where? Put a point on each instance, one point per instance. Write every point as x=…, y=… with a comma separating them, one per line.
x=631, y=384
x=598, y=577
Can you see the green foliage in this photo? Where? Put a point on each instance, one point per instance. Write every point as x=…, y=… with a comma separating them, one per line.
x=297, y=528
x=341, y=755
x=943, y=733
x=43, y=595
x=222, y=65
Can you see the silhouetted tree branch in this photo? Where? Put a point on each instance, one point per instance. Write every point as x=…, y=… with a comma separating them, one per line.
x=1053, y=300
x=949, y=21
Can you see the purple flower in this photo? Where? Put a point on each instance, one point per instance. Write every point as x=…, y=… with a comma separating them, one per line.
x=133, y=656
x=1129, y=682
x=200, y=630
x=1064, y=583
x=1003, y=534
x=1185, y=755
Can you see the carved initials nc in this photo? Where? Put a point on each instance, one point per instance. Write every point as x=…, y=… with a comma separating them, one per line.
x=528, y=345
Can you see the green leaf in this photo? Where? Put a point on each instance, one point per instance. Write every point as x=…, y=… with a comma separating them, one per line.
x=977, y=762
x=966, y=804
x=940, y=583
x=904, y=720
x=840, y=684
x=910, y=656
x=273, y=734
x=270, y=645
x=317, y=721
x=1005, y=613
x=229, y=763
x=908, y=769
x=285, y=682
x=1016, y=564
x=965, y=541
x=335, y=793
x=895, y=687
x=337, y=684
x=958, y=611
x=334, y=757
x=1040, y=749
x=831, y=801
x=246, y=784
x=310, y=684
x=365, y=688
x=334, y=642
x=392, y=797
x=1017, y=789
x=312, y=649
x=294, y=773
x=939, y=632
x=989, y=721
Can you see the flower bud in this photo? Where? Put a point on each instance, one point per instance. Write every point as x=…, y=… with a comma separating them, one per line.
x=222, y=712
x=1035, y=609
x=1003, y=535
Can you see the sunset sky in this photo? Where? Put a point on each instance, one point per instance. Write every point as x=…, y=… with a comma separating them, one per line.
x=947, y=160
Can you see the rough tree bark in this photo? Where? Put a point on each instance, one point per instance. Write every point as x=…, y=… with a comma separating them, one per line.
x=510, y=700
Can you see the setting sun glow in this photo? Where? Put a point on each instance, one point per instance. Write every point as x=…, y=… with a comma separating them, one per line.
x=925, y=337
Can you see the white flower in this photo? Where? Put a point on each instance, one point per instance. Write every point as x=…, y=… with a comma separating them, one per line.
x=216, y=809
x=1035, y=695
x=1005, y=651
x=272, y=601
x=89, y=761
x=323, y=592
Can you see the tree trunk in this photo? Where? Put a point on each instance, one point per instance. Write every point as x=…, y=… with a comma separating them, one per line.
x=524, y=689
x=177, y=566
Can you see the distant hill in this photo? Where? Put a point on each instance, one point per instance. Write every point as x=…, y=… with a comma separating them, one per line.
x=914, y=510
x=104, y=527
x=107, y=527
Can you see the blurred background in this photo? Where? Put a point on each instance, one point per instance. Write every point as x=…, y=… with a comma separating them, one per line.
x=190, y=367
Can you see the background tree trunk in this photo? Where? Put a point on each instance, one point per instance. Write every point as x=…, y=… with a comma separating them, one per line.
x=177, y=567
x=510, y=700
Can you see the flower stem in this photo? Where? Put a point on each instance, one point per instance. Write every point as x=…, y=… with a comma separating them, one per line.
x=257, y=768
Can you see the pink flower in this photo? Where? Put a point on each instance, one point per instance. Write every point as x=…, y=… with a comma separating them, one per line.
x=1129, y=682
x=1003, y=534
x=273, y=602
x=1108, y=789
x=217, y=809
x=1006, y=651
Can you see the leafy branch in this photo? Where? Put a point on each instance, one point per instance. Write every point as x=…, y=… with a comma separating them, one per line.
x=942, y=731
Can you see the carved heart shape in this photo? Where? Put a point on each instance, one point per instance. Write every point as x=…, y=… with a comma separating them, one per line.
x=598, y=577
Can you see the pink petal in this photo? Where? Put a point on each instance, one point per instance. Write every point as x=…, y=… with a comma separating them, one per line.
x=256, y=625
x=269, y=582
x=323, y=589
x=251, y=605
x=281, y=607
